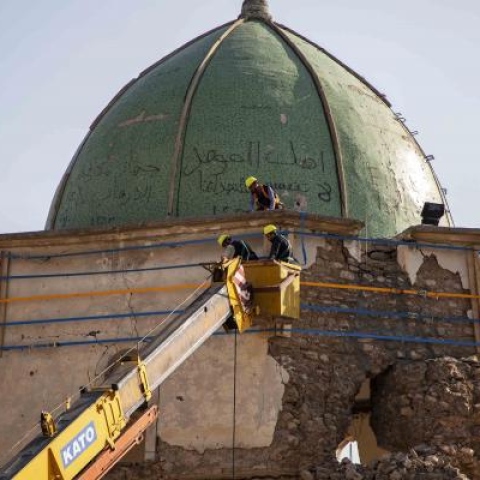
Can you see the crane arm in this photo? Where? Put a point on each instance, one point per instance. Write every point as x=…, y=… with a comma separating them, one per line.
x=96, y=420
x=88, y=439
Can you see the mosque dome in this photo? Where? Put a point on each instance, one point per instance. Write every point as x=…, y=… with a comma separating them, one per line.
x=251, y=97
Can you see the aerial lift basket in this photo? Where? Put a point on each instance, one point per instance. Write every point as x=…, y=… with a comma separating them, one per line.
x=276, y=287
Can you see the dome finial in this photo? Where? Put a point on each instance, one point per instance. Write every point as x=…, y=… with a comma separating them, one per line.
x=255, y=9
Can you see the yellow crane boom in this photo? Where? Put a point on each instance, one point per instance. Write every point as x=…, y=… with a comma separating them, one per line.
x=70, y=447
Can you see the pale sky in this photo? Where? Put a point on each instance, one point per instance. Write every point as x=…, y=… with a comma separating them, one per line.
x=61, y=62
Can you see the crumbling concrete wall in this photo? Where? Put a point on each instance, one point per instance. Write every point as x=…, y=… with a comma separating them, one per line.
x=72, y=302
x=276, y=403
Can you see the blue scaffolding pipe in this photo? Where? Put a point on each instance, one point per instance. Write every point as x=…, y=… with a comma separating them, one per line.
x=300, y=331
x=377, y=241
x=100, y=272
x=110, y=316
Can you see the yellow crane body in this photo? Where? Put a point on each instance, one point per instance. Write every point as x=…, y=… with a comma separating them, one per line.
x=98, y=422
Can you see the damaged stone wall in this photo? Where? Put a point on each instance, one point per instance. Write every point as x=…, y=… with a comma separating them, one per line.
x=411, y=346
x=436, y=402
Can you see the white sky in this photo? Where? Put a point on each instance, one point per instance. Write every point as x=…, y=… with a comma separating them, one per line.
x=61, y=62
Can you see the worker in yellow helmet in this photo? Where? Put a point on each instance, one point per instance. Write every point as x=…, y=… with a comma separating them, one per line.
x=262, y=197
x=235, y=248
x=281, y=249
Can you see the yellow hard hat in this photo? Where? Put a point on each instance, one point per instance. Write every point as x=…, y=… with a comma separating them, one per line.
x=222, y=238
x=269, y=229
x=250, y=181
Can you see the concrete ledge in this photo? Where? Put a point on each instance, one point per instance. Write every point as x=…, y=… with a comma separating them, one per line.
x=184, y=226
x=442, y=235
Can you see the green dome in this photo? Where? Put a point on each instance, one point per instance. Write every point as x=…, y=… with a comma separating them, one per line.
x=248, y=98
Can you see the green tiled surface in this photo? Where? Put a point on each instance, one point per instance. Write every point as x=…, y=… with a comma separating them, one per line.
x=256, y=111
x=387, y=178
x=122, y=173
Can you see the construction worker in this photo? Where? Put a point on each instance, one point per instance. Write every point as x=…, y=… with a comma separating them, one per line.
x=235, y=248
x=281, y=249
x=262, y=197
